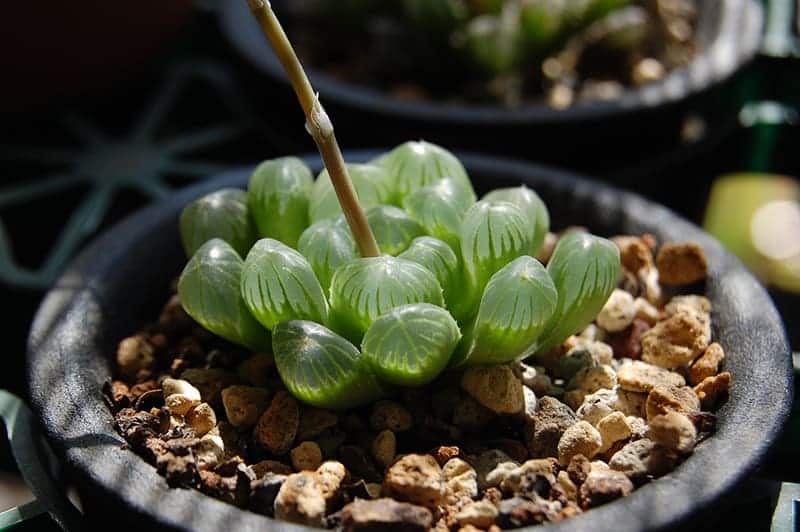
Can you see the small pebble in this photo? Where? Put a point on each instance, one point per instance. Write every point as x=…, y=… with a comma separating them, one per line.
x=301, y=500
x=675, y=341
x=598, y=405
x=681, y=263
x=613, y=428
x=385, y=514
x=643, y=457
x=134, y=354
x=663, y=399
x=601, y=487
x=618, y=312
x=461, y=479
x=306, y=457
x=480, y=514
x=634, y=253
x=580, y=438
x=417, y=479
x=707, y=365
x=638, y=376
x=201, y=418
x=244, y=404
x=384, y=448
x=495, y=387
x=545, y=467
x=645, y=311
x=390, y=415
x=674, y=431
x=277, y=427
x=551, y=420
x=486, y=462
x=713, y=389
x=179, y=395
x=589, y=380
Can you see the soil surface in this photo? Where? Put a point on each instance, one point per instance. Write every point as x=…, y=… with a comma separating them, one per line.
x=487, y=448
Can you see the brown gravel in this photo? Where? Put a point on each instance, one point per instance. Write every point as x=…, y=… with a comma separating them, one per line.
x=481, y=449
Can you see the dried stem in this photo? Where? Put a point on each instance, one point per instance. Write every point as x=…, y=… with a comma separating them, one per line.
x=319, y=127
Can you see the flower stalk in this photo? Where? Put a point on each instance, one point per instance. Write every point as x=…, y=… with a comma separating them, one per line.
x=319, y=126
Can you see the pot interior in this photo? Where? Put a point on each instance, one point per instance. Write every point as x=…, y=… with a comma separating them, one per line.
x=119, y=283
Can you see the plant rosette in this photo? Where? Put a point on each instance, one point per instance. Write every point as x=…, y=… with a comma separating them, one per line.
x=457, y=282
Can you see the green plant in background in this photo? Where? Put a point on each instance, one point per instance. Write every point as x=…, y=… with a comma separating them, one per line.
x=346, y=328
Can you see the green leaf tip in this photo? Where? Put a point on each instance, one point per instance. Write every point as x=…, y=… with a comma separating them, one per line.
x=278, y=196
x=278, y=284
x=393, y=228
x=364, y=289
x=223, y=214
x=327, y=245
x=585, y=269
x=493, y=234
x=209, y=290
x=411, y=344
x=515, y=309
x=321, y=368
x=414, y=165
x=531, y=206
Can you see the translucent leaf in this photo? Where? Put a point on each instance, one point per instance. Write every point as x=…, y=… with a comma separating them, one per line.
x=414, y=165
x=585, y=269
x=278, y=284
x=327, y=245
x=364, y=289
x=439, y=259
x=531, y=206
x=393, y=228
x=493, y=234
x=373, y=187
x=222, y=214
x=209, y=289
x=440, y=208
x=321, y=368
x=278, y=197
x=514, y=311
x=410, y=345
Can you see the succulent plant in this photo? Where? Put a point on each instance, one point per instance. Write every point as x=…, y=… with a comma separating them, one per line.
x=448, y=264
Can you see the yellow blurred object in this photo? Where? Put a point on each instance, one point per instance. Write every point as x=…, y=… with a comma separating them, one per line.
x=757, y=217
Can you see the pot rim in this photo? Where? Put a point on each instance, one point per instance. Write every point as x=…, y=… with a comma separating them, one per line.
x=736, y=43
x=65, y=371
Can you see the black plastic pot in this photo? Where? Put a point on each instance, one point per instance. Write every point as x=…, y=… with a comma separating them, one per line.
x=590, y=136
x=120, y=281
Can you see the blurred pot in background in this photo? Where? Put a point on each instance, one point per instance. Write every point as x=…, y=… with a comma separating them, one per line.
x=638, y=123
x=61, y=49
